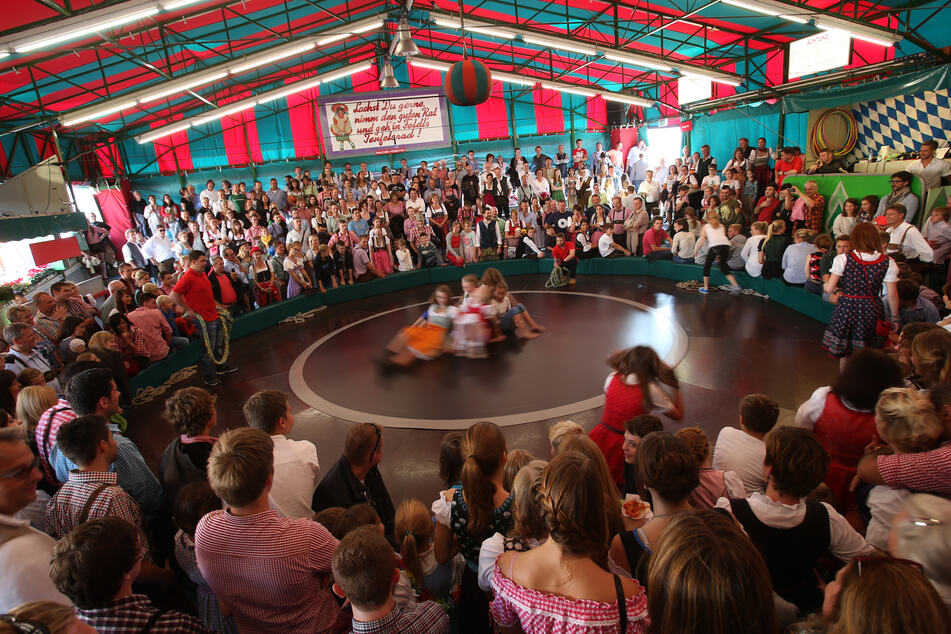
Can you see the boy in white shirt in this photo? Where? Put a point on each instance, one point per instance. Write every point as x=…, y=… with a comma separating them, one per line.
x=296, y=470
x=743, y=450
x=712, y=179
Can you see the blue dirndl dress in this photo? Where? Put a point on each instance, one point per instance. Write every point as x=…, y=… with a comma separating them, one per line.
x=859, y=308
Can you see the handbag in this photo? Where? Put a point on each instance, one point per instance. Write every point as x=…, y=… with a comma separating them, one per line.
x=883, y=327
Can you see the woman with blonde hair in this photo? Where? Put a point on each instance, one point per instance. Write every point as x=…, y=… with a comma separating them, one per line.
x=772, y=248
x=413, y=531
x=563, y=585
x=931, y=356
x=706, y=577
x=46, y=617
x=32, y=402
x=529, y=530
x=561, y=431
x=467, y=516
x=921, y=531
x=714, y=233
x=882, y=595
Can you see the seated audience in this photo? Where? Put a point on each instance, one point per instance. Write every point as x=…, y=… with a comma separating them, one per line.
x=635, y=430
x=95, y=566
x=564, y=583
x=791, y=532
x=729, y=593
x=742, y=450
x=191, y=412
x=667, y=469
x=714, y=483
x=296, y=470
x=355, y=478
x=271, y=572
x=364, y=573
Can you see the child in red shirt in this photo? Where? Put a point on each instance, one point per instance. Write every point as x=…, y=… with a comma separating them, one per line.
x=564, y=254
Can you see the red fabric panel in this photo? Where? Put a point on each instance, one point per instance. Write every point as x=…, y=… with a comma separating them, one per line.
x=774, y=68
x=45, y=147
x=108, y=158
x=597, y=113
x=55, y=250
x=627, y=136
x=724, y=90
x=548, y=113
x=115, y=211
x=493, y=115
x=240, y=133
x=172, y=152
x=366, y=81
x=423, y=77
x=305, y=124
x=3, y=160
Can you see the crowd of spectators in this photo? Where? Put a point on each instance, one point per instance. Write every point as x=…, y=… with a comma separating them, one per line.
x=839, y=522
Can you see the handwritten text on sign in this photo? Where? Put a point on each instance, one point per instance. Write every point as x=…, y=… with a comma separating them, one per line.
x=382, y=125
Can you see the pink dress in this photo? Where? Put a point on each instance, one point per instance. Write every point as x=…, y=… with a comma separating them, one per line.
x=380, y=248
x=537, y=612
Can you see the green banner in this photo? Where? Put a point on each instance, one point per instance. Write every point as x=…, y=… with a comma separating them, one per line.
x=837, y=188
x=22, y=227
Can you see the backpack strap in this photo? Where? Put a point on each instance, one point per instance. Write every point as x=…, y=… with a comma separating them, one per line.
x=84, y=514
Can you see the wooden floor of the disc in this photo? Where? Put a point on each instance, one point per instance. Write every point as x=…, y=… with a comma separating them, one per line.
x=735, y=346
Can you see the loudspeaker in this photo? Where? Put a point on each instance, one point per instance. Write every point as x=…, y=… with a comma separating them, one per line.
x=617, y=113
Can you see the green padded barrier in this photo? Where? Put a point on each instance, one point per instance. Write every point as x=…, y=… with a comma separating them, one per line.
x=257, y=320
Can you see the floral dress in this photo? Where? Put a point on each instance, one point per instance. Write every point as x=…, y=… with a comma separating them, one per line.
x=859, y=308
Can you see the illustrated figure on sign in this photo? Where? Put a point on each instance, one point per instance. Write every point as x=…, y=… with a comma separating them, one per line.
x=340, y=127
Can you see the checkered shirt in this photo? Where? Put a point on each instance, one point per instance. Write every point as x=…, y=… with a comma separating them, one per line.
x=131, y=614
x=415, y=618
x=154, y=328
x=65, y=507
x=813, y=217
x=273, y=571
x=928, y=472
x=46, y=326
x=52, y=419
x=77, y=308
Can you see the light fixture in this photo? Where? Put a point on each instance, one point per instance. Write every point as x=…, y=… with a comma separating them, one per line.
x=635, y=60
x=567, y=88
x=430, y=64
x=628, y=99
x=98, y=114
x=250, y=102
x=565, y=45
x=475, y=27
x=719, y=78
x=859, y=31
x=405, y=46
x=354, y=28
x=163, y=132
x=176, y=86
x=94, y=22
x=171, y=5
x=387, y=76
x=872, y=39
x=773, y=10
x=4, y=53
x=514, y=79
x=267, y=59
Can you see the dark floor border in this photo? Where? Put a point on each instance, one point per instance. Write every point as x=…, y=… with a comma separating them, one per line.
x=257, y=320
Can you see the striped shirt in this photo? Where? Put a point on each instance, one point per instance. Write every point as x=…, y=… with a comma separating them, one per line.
x=273, y=572
x=47, y=326
x=63, y=513
x=133, y=613
x=929, y=472
x=46, y=429
x=155, y=330
x=77, y=308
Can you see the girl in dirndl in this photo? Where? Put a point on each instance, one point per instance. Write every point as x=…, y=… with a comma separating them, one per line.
x=426, y=338
x=469, y=253
x=380, y=248
x=454, y=249
x=855, y=284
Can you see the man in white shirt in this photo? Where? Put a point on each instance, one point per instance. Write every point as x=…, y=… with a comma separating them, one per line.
x=24, y=354
x=24, y=551
x=158, y=249
x=209, y=193
x=742, y=450
x=905, y=237
x=649, y=190
x=296, y=470
x=929, y=169
x=152, y=214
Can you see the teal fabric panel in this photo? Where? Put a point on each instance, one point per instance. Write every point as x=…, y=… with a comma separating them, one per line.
x=207, y=145
x=932, y=79
x=722, y=130
x=465, y=125
x=274, y=133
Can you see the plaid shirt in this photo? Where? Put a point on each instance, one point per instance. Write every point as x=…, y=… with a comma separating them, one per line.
x=928, y=472
x=46, y=326
x=415, y=618
x=46, y=429
x=140, y=349
x=130, y=615
x=813, y=215
x=155, y=330
x=273, y=571
x=65, y=507
x=77, y=308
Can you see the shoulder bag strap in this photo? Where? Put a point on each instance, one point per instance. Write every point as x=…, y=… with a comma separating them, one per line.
x=46, y=432
x=84, y=514
x=621, y=603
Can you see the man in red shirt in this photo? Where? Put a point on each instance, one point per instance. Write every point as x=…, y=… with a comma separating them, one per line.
x=564, y=254
x=194, y=294
x=789, y=164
